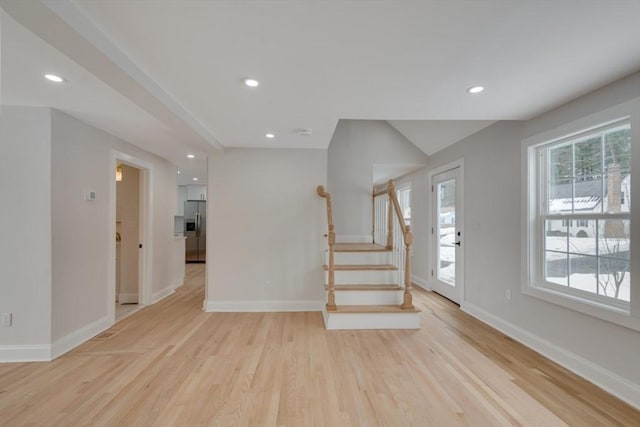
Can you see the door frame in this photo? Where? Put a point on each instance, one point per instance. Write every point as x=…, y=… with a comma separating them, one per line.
x=145, y=256
x=460, y=225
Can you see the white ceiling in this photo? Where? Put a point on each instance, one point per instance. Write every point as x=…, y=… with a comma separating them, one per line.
x=323, y=61
x=433, y=135
x=25, y=58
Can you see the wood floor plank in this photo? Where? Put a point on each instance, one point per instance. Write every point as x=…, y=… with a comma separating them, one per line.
x=172, y=364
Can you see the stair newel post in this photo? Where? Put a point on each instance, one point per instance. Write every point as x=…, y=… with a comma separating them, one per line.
x=407, y=303
x=390, y=190
x=331, y=298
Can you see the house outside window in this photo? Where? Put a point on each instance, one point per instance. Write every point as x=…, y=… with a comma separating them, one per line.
x=581, y=219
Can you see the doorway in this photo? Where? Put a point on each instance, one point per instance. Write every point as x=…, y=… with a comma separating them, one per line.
x=131, y=223
x=128, y=239
x=447, y=270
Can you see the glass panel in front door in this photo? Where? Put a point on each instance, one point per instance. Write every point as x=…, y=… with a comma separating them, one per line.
x=447, y=232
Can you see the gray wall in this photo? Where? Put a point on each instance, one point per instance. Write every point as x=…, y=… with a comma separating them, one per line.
x=81, y=161
x=25, y=243
x=355, y=147
x=265, y=227
x=605, y=352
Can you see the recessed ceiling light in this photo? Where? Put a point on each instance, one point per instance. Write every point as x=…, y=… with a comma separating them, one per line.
x=475, y=89
x=54, y=78
x=195, y=179
x=270, y=135
x=191, y=156
x=251, y=82
x=178, y=172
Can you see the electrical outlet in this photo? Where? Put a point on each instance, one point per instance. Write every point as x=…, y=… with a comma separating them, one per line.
x=5, y=319
x=507, y=294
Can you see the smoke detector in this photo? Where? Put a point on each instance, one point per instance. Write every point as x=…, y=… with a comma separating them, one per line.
x=305, y=132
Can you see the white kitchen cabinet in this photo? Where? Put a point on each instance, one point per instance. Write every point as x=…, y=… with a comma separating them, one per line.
x=180, y=199
x=196, y=192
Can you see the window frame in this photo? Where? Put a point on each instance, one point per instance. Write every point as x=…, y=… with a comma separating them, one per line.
x=623, y=313
x=541, y=152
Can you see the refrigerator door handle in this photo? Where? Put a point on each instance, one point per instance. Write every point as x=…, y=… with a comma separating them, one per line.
x=197, y=224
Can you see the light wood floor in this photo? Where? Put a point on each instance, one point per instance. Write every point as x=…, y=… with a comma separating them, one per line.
x=173, y=364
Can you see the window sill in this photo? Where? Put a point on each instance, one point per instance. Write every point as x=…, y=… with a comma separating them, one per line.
x=592, y=308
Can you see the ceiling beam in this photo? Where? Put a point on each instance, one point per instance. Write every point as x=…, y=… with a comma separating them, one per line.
x=62, y=25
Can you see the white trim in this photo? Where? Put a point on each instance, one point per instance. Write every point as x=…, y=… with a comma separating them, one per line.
x=79, y=336
x=146, y=231
x=583, y=305
x=531, y=270
x=460, y=225
x=264, y=306
x=25, y=353
x=353, y=238
x=127, y=298
x=161, y=294
x=424, y=284
x=348, y=321
x=603, y=378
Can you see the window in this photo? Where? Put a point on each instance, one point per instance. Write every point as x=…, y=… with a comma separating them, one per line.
x=581, y=180
x=404, y=198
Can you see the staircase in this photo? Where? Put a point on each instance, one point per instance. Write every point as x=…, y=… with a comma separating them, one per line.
x=368, y=284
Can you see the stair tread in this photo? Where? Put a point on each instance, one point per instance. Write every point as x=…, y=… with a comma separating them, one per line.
x=359, y=247
x=372, y=309
x=365, y=287
x=356, y=267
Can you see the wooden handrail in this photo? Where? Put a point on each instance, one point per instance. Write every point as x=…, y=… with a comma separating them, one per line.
x=331, y=299
x=407, y=303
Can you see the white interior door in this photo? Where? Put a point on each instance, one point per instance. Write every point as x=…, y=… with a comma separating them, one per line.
x=447, y=264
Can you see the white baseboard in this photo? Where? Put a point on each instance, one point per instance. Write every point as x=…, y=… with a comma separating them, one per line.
x=420, y=282
x=353, y=238
x=348, y=321
x=25, y=353
x=128, y=298
x=79, y=336
x=264, y=306
x=161, y=294
x=603, y=378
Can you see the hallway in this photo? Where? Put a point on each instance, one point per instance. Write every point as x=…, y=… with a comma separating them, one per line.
x=173, y=364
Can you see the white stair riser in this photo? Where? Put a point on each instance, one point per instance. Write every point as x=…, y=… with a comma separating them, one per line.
x=357, y=277
x=368, y=297
x=360, y=257
x=372, y=320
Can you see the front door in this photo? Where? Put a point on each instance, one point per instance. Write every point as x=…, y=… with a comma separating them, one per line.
x=447, y=236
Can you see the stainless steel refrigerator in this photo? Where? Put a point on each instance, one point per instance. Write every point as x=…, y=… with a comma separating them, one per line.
x=195, y=214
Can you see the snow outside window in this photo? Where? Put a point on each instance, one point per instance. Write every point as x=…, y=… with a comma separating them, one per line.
x=583, y=222
x=404, y=199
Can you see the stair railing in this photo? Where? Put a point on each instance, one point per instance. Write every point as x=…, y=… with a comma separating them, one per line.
x=331, y=235
x=407, y=239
